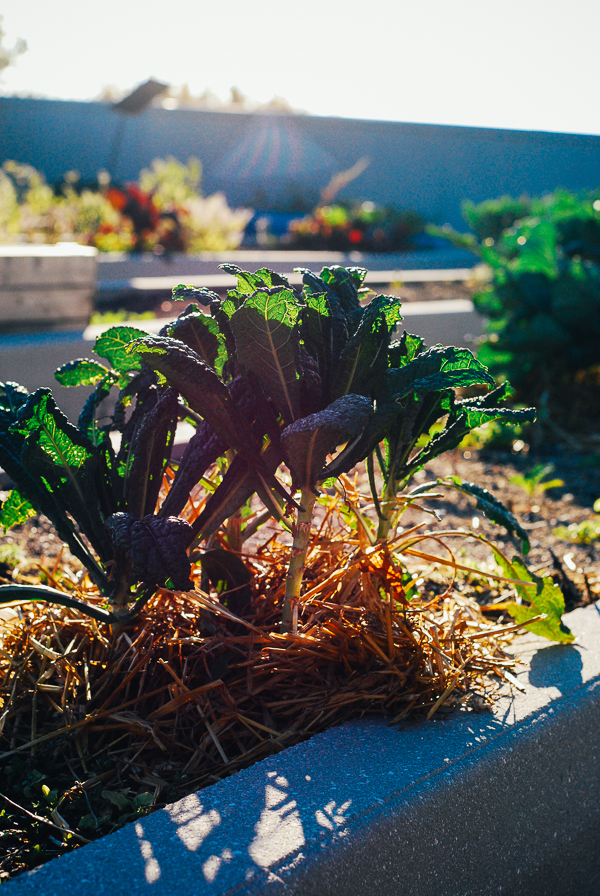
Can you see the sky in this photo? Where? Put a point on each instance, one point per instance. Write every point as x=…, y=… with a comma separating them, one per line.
x=525, y=64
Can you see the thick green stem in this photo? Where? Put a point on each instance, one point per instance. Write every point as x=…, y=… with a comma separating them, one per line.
x=293, y=582
x=387, y=509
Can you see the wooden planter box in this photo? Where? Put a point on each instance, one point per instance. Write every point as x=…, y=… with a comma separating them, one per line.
x=46, y=286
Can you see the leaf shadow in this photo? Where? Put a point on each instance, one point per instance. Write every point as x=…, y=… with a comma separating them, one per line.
x=559, y=666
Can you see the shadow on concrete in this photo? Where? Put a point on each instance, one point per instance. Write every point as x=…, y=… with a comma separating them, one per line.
x=227, y=847
x=559, y=666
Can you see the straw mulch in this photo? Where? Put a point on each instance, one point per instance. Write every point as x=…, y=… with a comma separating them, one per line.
x=101, y=725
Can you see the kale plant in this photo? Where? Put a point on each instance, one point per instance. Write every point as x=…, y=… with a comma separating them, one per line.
x=310, y=380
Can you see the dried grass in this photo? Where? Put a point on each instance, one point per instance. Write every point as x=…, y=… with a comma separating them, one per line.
x=190, y=694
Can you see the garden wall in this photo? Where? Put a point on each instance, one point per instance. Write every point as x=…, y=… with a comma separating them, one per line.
x=273, y=160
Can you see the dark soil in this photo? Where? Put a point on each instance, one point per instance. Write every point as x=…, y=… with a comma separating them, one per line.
x=576, y=567
x=434, y=292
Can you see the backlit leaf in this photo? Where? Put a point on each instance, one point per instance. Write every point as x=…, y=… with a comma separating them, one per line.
x=405, y=349
x=345, y=282
x=12, y=398
x=202, y=334
x=546, y=598
x=81, y=372
x=65, y=461
x=491, y=507
x=249, y=282
x=112, y=345
x=365, y=357
x=200, y=294
x=265, y=331
x=435, y=369
x=31, y=486
x=87, y=422
x=16, y=510
x=197, y=382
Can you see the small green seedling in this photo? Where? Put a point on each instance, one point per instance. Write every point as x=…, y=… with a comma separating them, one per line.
x=532, y=480
x=585, y=532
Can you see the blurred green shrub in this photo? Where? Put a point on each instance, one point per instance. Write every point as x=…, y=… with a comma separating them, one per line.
x=585, y=532
x=534, y=482
x=489, y=219
x=542, y=301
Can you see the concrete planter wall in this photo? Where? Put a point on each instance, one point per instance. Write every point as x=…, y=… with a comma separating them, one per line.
x=504, y=802
x=143, y=281
x=113, y=266
x=46, y=286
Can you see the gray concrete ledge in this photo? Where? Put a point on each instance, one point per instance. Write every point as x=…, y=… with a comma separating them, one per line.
x=114, y=266
x=139, y=281
x=220, y=281
x=502, y=802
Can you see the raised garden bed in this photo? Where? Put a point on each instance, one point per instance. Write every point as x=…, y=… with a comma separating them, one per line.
x=367, y=627
x=470, y=805
x=46, y=286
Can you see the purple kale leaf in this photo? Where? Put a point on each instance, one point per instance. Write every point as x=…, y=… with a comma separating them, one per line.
x=150, y=550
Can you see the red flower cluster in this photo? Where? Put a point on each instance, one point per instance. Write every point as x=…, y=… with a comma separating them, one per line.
x=152, y=228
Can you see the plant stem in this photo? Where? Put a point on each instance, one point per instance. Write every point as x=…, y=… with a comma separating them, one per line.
x=387, y=507
x=29, y=593
x=300, y=544
x=234, y=532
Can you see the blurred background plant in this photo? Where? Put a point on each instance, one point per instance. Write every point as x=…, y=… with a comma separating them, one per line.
x=489, y=219
x=338, y=225
x=585, y=532
x=494, y=436
x=163, y=212
x=201, y=224
x=542, y=300
x=8, y=55
x=347, y=227
x=534, y=482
